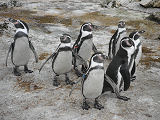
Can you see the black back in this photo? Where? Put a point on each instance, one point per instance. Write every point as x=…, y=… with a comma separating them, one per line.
x=120, y=60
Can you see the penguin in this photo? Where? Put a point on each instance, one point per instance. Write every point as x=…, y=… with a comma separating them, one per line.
x=21, y=47
x=115, y=39
x=62, y=59
x=135, y=37
x=84, y=45
x=93, y=79
x=118, y=69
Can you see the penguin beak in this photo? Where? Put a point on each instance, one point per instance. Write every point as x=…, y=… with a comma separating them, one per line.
x=129, y=42
x=13, y=21
x=142, y=31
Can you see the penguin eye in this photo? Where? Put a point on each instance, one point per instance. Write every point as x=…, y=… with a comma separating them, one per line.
x=136, y=37
x=87, y=28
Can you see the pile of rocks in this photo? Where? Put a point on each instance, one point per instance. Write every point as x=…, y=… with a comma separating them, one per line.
x=11, y=3
x=150, y=3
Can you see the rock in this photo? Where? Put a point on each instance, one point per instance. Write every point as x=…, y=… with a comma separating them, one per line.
x=150, y=3
x=110, y=4
x=14, y=3
x=155, y=17
x=11, y=3
x=3, y=5
x=3, y=26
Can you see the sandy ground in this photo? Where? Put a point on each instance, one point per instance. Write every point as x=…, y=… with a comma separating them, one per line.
x=33, y=97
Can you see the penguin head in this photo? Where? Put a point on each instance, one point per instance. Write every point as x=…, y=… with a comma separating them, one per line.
x=126, y=42
x=97, y=59
x=136, y=35
x=19, y=24
x=86, y=29
x=121, y=24
x=65, y=38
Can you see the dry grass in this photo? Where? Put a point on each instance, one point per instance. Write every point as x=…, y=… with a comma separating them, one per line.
x=43, y=56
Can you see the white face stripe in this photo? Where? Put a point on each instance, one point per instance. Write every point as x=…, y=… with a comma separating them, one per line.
x=93, y=64
x=130, y=51
x=65, y=45
x=22, y=30
x=85, y=33
x=135, y=34
x=121, y=30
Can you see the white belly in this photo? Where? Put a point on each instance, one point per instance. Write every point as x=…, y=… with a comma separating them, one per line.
x=21, y=53
x=131, y=66
x=85, y=50
x=93, y=85
x=63, y=62
x=139, y=54
x=119, y=79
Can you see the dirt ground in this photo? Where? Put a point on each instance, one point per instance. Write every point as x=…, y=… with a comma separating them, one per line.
x=33, y=97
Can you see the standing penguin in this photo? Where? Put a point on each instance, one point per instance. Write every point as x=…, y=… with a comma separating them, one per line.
x=114, y=43
x=92, y=83
x=118, y=69
x=135, y=58
x=84, y=46
x=62, y=59
x=21, y=47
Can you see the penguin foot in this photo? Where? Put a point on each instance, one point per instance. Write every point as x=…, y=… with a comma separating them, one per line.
x=79, y=74
x=85, y=106
x=123, y=98
x=56, y=83
x=28, y=71
x=98, y=106
x=84, y=69
x=17, y=73
x=69, y=82
x=133, y=78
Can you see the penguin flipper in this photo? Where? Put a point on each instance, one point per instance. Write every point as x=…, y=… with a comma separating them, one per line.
x=126, y=76
x=114, y=86
x=80, y=58
x=109, y=50
x=46, y=61
x=33, y=50
x=94, y=48
x=10, y=49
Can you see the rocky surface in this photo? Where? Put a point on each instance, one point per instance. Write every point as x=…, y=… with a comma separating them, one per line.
x=150, y=4
x=155, y=17
x=32, y=96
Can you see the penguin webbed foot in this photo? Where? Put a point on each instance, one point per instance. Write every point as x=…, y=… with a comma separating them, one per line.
x=85, y=106
x=15, y=72
x=26, y=70
x=123, y=98
x=84, y=69
x=55, y=82
x=133, y=78
x=78, y=73
x=97, y=105
x=68, y=81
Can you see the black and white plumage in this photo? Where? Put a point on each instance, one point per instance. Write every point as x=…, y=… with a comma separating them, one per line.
x=92, y=83
x=118, y=69
x=62, y=59
x=84, y=45
x=21, y=47
x=135, y=37
x=114, y=43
